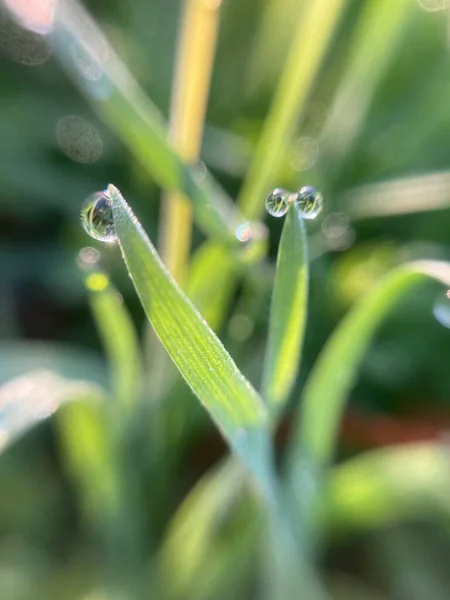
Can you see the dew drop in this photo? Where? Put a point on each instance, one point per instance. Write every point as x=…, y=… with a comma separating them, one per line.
x=309, y=202
x=97, y=217
x=277, y=202
x=441, y=309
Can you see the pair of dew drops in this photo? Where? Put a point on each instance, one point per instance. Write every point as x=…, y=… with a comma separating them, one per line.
x=98, y=222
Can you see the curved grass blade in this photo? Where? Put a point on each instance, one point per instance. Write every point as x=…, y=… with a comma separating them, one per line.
x=27, y=400
x=336, y=368
x=119, y=338
x=193, y=529
x=20, y=357
x=287, y=314
x=388, y=485
x=200, y=357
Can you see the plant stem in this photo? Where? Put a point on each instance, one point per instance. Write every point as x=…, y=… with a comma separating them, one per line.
x=190, y=93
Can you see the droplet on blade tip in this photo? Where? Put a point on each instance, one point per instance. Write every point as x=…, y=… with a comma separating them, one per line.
x=277, y=202
x=97, y=217
x=309, y=202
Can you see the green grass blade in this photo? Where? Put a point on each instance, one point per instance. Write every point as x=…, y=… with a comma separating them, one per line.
x=122, y=104
x=27, y=400
x=119, y=338
x=316, y=24
x=336, y=368
x=287, y=314
x=196, y=351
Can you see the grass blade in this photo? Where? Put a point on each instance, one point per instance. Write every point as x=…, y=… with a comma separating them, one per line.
x=287, y=314
x=200, y=357
x=119, y=338
x=315, y=28
x=336, y=368
x=194, y=528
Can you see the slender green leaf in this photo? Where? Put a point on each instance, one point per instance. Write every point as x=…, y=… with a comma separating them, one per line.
x=287, y=314
x=200, y=357
x=27, y=400
x=336, y=368
x=119, y=338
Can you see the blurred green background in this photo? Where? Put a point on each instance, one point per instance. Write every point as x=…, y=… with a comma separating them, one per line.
x=375, y=138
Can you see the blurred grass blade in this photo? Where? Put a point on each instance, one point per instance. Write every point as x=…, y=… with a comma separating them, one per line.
x=388, y=485
x=316, y=24
x=194, y=63
x=398, y=196
x=287, y=314
x=211, y=294
x=27, y=400
x=20, y=357
x=202, y=360
x=376, y=37
x=123, y=105
x=119, y=338
x=193, y=529
x=336, y=368
x=90, y=459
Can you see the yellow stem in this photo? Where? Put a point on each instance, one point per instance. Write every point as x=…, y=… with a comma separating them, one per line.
x=195, y=57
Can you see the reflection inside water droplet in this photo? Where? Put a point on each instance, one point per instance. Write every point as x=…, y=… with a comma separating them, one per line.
x=441, y=309
x=97, y=217
x=277, y=202
x=309, y=202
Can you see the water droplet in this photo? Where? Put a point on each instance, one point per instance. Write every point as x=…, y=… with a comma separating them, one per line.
x=278, y=202
x=97, y=217
x=309, y=202
x=441, y=309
